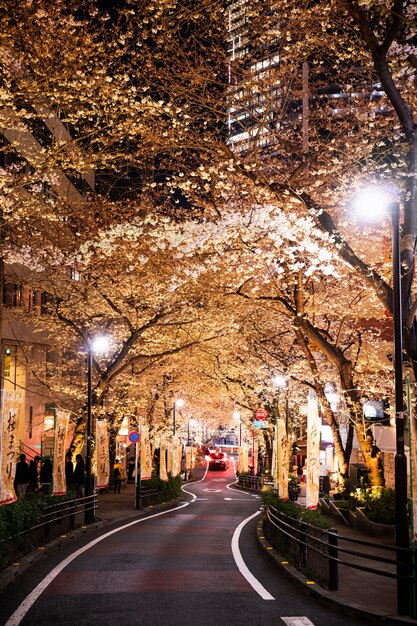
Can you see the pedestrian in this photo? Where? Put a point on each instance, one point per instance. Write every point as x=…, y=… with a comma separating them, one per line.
x=118, y=476
x=21, y=479
x=33, y=486
x=130, y=469
x=46, y=477
x=69, y=471
x=79, y=476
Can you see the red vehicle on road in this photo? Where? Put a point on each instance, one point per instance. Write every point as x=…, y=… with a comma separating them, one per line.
x=218, y=461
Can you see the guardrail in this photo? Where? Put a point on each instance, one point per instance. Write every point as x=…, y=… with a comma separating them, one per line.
x=55, y=519
x=254, y=483
x=323, y=551
x=148, y=496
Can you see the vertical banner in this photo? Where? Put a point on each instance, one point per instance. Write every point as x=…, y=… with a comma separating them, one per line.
x=102, y=455
x=169, y=457
x=313, y=451
x=176, y=457
x=145, y=454
x=10, y=414
x=243, y=459
x=189, y=457
x=282, y=458
x=163, y=474
x=60, y=436
x=255, y=451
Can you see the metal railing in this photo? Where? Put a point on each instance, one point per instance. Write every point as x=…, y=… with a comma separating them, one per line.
x=55, y=519
x=251, y=482
x=148, y=496
x=309, y=546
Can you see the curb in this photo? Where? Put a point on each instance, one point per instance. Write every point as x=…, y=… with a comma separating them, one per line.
x=313, y=590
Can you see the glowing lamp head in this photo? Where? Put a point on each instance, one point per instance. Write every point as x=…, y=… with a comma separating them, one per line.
x=179, y=403
x=279, y=381
x=100, y=344
x=371, y=204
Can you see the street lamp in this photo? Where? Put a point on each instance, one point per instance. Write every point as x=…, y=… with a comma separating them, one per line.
x=98, y=344
x=372, y=200
x=177, y=403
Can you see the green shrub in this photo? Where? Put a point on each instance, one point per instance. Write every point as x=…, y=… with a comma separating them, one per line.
x=313, y=517
x=173, y=484
x=378, y=503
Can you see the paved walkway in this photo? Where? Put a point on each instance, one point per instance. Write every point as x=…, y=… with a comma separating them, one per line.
x=373, y=594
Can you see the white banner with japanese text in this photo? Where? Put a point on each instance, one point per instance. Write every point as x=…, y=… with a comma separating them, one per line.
x=9, y=441
x=255, y=448
x=176, y=457
x=58, y=469
x=282, y=458
x=190, y=453
x=102, y=454
x=313, y=451
x=163, y=473
x=145, y=454
x=170, y=451
x=243, y=459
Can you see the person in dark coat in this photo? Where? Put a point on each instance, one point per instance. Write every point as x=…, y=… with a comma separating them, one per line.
x=21, y=479
x=33, y=486
x=46, y=477
x=79, y=476
x=69, y=471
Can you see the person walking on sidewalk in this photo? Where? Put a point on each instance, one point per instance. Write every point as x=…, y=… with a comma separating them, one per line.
x=118, y=475
x=79, y=476
x=21, y=479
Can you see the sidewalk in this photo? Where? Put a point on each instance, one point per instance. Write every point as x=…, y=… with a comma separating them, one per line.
x=367, y=596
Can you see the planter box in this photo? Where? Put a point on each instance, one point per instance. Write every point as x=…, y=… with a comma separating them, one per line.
x=359, y=521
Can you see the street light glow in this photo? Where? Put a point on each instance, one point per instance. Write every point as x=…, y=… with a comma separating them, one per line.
x=100, y=344
x=179, y=403
x=279, y=380
x=371, y=203
x=236, y=415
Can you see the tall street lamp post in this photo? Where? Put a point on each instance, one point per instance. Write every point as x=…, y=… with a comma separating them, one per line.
x=377, y=201
x=98, y=344
x=401, y=512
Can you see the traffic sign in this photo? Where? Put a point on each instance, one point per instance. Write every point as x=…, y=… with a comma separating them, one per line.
x=261, y=424
x=261, y=414
x=134, y=436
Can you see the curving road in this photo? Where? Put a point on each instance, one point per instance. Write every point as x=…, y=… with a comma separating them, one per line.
x=197, y=563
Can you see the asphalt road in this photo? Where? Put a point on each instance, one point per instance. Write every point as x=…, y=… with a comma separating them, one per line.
x=188, y=566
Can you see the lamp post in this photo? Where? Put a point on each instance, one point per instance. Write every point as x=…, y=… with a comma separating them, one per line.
x=177, y=403
x=98, y=344
x=401, y=510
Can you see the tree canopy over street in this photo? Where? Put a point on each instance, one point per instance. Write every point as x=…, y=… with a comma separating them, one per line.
x=211, y=267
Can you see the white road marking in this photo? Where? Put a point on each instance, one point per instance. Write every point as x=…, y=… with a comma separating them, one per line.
x=241, y=565
x=213, y=490
x=29, y=601
x=237, y=499
x=297, y=621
